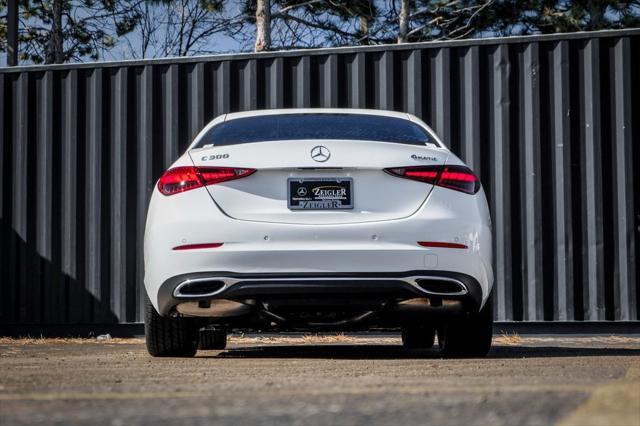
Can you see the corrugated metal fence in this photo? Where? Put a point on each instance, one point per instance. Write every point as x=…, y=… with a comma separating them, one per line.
x=548, y=123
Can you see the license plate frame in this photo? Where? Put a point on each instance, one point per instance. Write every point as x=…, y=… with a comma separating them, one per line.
x=331, y=200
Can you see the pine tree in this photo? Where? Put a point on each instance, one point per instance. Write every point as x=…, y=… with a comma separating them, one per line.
x=56, y=31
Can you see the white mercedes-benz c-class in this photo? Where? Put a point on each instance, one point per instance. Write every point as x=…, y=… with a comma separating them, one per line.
x=318, y=220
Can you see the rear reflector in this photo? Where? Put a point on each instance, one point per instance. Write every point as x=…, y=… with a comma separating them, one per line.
x=181, y=179
x=198, y=246
x=441, y=244
x=459, y=178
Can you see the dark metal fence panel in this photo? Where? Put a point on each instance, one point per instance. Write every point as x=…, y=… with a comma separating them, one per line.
x=548, y=123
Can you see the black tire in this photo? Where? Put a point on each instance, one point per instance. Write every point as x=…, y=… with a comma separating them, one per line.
x=170, y=337
x=468, y=336
x=418, y=337
x=212, y=339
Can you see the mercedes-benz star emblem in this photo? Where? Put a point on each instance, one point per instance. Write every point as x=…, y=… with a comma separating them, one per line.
x=302, y=191
x=320, y=153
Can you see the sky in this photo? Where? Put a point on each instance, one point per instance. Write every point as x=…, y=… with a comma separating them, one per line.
x=220, y=43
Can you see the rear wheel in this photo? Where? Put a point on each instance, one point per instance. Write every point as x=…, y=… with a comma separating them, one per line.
x=468, y=336
x=418, y=337
x=166, y=336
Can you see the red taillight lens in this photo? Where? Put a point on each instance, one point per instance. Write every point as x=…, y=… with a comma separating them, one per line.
x=213, y=175
x=427, y=174
x=180, y=179
x=459, y=178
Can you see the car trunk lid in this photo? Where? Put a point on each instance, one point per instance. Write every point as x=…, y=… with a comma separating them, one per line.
x=281, y=165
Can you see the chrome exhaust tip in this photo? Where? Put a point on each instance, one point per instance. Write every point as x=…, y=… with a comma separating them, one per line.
x=199, y=288
x=441, y=286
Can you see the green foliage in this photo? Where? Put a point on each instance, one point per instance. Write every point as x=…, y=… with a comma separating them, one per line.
x=212, y=6
x=314, y=23
x=91, y=28
x=443, y=19
x=3, y=25
x=88, y=28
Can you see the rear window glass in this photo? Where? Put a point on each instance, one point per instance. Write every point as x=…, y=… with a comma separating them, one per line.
x=315, y=126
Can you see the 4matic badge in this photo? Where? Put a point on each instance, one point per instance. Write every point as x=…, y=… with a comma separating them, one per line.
x=423, y=157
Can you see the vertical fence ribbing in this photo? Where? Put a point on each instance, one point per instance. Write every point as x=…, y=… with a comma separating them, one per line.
x=561, y=158
x=623, y=165
x=542, y=137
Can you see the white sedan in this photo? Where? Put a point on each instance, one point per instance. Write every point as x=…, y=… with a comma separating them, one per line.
x=318, y=220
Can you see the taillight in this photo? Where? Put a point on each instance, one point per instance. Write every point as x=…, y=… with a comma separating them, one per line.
x=180, y=179
x=460, y=178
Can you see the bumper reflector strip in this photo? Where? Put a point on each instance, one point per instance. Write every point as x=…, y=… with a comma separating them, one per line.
x=198, y=246
x=441, y=244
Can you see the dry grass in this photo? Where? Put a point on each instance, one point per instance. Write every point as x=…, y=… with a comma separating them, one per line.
x=67, y=340
x=327, y=338
x=509, y=338
x=233, y=338
x=293, y=339
x=505, y=338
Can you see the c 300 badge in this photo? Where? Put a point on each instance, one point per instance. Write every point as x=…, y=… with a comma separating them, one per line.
x=215, y=157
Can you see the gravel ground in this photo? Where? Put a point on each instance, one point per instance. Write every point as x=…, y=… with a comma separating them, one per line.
x=310, y=380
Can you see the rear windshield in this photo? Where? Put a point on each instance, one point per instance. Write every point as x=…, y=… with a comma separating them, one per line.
x=315, y=126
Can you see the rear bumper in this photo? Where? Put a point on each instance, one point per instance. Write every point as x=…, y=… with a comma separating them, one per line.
x=386, y=249
x=435, y=285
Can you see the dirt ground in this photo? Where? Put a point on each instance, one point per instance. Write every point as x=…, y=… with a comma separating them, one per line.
x=311, y=380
